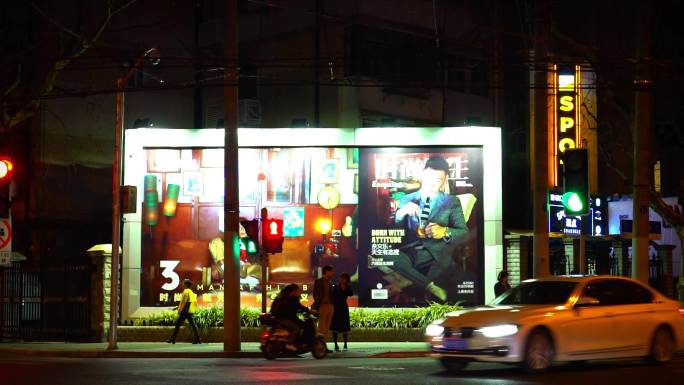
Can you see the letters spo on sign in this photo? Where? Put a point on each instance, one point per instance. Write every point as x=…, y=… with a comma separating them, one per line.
x=566, y=113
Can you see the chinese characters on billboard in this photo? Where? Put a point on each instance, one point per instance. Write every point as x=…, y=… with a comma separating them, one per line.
x=404, y=223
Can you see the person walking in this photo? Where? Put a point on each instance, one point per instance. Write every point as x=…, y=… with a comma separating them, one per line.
x=340, y=319
x=323, y=302
x=502, y=284
x=186, y=309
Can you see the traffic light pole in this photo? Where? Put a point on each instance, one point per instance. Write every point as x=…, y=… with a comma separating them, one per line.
x=116, y=214
x=263, y=259
x=121, y=82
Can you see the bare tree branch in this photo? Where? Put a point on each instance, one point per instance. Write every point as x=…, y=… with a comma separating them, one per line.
x=608, y=161
x=675, y=219
x=48, y=85
x=54, y=22
x=15, y=83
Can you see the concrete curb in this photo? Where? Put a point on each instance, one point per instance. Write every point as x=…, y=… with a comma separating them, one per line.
x=156, y=354
x=125, y=354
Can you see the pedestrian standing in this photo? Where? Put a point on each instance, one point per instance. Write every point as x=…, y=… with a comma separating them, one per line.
x=323, y=302
x=186, y=309
x=502, y=284
x=340, y=320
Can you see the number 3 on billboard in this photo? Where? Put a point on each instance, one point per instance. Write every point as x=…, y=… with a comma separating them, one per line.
x=168, y=272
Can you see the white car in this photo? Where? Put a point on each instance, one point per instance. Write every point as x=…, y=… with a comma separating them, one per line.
x=548, y=320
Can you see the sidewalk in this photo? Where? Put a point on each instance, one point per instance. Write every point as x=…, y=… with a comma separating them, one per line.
x=186, y=350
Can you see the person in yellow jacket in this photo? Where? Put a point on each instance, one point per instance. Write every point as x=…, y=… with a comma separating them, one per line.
x=186, y=308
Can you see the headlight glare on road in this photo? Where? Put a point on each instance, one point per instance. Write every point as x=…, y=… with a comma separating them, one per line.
x=497, y=331
x=434, y=330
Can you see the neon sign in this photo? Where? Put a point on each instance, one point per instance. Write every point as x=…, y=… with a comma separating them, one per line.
x=566, y=112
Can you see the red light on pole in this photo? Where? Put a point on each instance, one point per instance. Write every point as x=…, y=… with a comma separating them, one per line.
x=273, y=235
x=6, y=167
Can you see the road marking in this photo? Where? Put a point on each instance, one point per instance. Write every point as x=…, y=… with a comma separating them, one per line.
x=376, y=368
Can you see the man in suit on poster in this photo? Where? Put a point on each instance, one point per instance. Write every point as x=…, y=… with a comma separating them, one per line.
x=433, y=221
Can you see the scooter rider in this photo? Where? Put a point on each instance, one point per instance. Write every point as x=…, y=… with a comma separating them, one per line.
x=285, y=308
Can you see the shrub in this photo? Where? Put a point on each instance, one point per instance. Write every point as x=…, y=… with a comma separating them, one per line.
x=389, y=318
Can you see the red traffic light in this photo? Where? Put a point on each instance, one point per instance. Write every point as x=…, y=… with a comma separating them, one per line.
x=272, y=235
x=6, y=167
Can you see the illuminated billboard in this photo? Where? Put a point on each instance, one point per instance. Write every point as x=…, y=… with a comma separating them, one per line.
x=350, y=198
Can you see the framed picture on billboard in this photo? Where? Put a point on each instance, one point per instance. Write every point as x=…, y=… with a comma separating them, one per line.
x=329, y=171
x=356, y=183
x=192, y=183
x=177, y=178
x=352, y=158
x=163, y=160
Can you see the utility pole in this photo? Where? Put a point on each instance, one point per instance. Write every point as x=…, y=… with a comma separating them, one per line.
x=642, y=146
x=231, y=269
x=197, y=91
x=539, y=134
x=316, y=64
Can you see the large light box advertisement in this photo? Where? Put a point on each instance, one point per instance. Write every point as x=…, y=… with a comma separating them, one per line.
x=420, y=227
x=412, y=221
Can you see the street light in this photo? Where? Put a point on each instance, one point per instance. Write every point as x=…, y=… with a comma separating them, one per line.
x=153, y=56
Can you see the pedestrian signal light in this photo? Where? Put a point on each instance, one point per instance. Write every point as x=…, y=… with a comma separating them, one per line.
x=273, y=235
x=249, y=234
x=250, y=246
x=576, y=182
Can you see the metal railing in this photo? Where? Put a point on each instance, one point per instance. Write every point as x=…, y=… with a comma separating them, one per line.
x=48, y=303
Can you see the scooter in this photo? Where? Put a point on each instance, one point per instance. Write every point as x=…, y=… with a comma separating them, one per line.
x=274, y=339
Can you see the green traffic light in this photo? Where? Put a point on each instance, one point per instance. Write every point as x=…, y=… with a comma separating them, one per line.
x=573, y=202
x=251, y=247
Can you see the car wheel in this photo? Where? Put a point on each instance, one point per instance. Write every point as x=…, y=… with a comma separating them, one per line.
x=319, y=349
x=662, y=346
x=452, y=365
x=539, y=352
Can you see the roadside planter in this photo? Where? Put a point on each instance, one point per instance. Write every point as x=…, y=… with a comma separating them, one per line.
x=387, y=324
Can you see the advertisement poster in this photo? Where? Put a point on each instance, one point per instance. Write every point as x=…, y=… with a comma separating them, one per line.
x=358, y=210
x=420, y=232
x=311, y=189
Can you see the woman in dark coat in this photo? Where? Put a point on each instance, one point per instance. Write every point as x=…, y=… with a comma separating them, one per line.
x=502, y=284
x=340, y=319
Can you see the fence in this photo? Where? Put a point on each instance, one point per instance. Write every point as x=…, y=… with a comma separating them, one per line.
x=48, y=303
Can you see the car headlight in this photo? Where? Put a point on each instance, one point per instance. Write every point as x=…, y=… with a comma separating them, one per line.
x=497, y=331
x=434, y=330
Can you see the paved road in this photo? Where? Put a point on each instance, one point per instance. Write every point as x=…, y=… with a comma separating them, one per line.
x=366, y=371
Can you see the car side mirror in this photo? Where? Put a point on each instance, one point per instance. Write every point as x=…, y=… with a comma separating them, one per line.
x=586, y=300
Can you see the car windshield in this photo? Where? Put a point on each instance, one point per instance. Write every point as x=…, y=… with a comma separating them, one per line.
x=537, y=293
